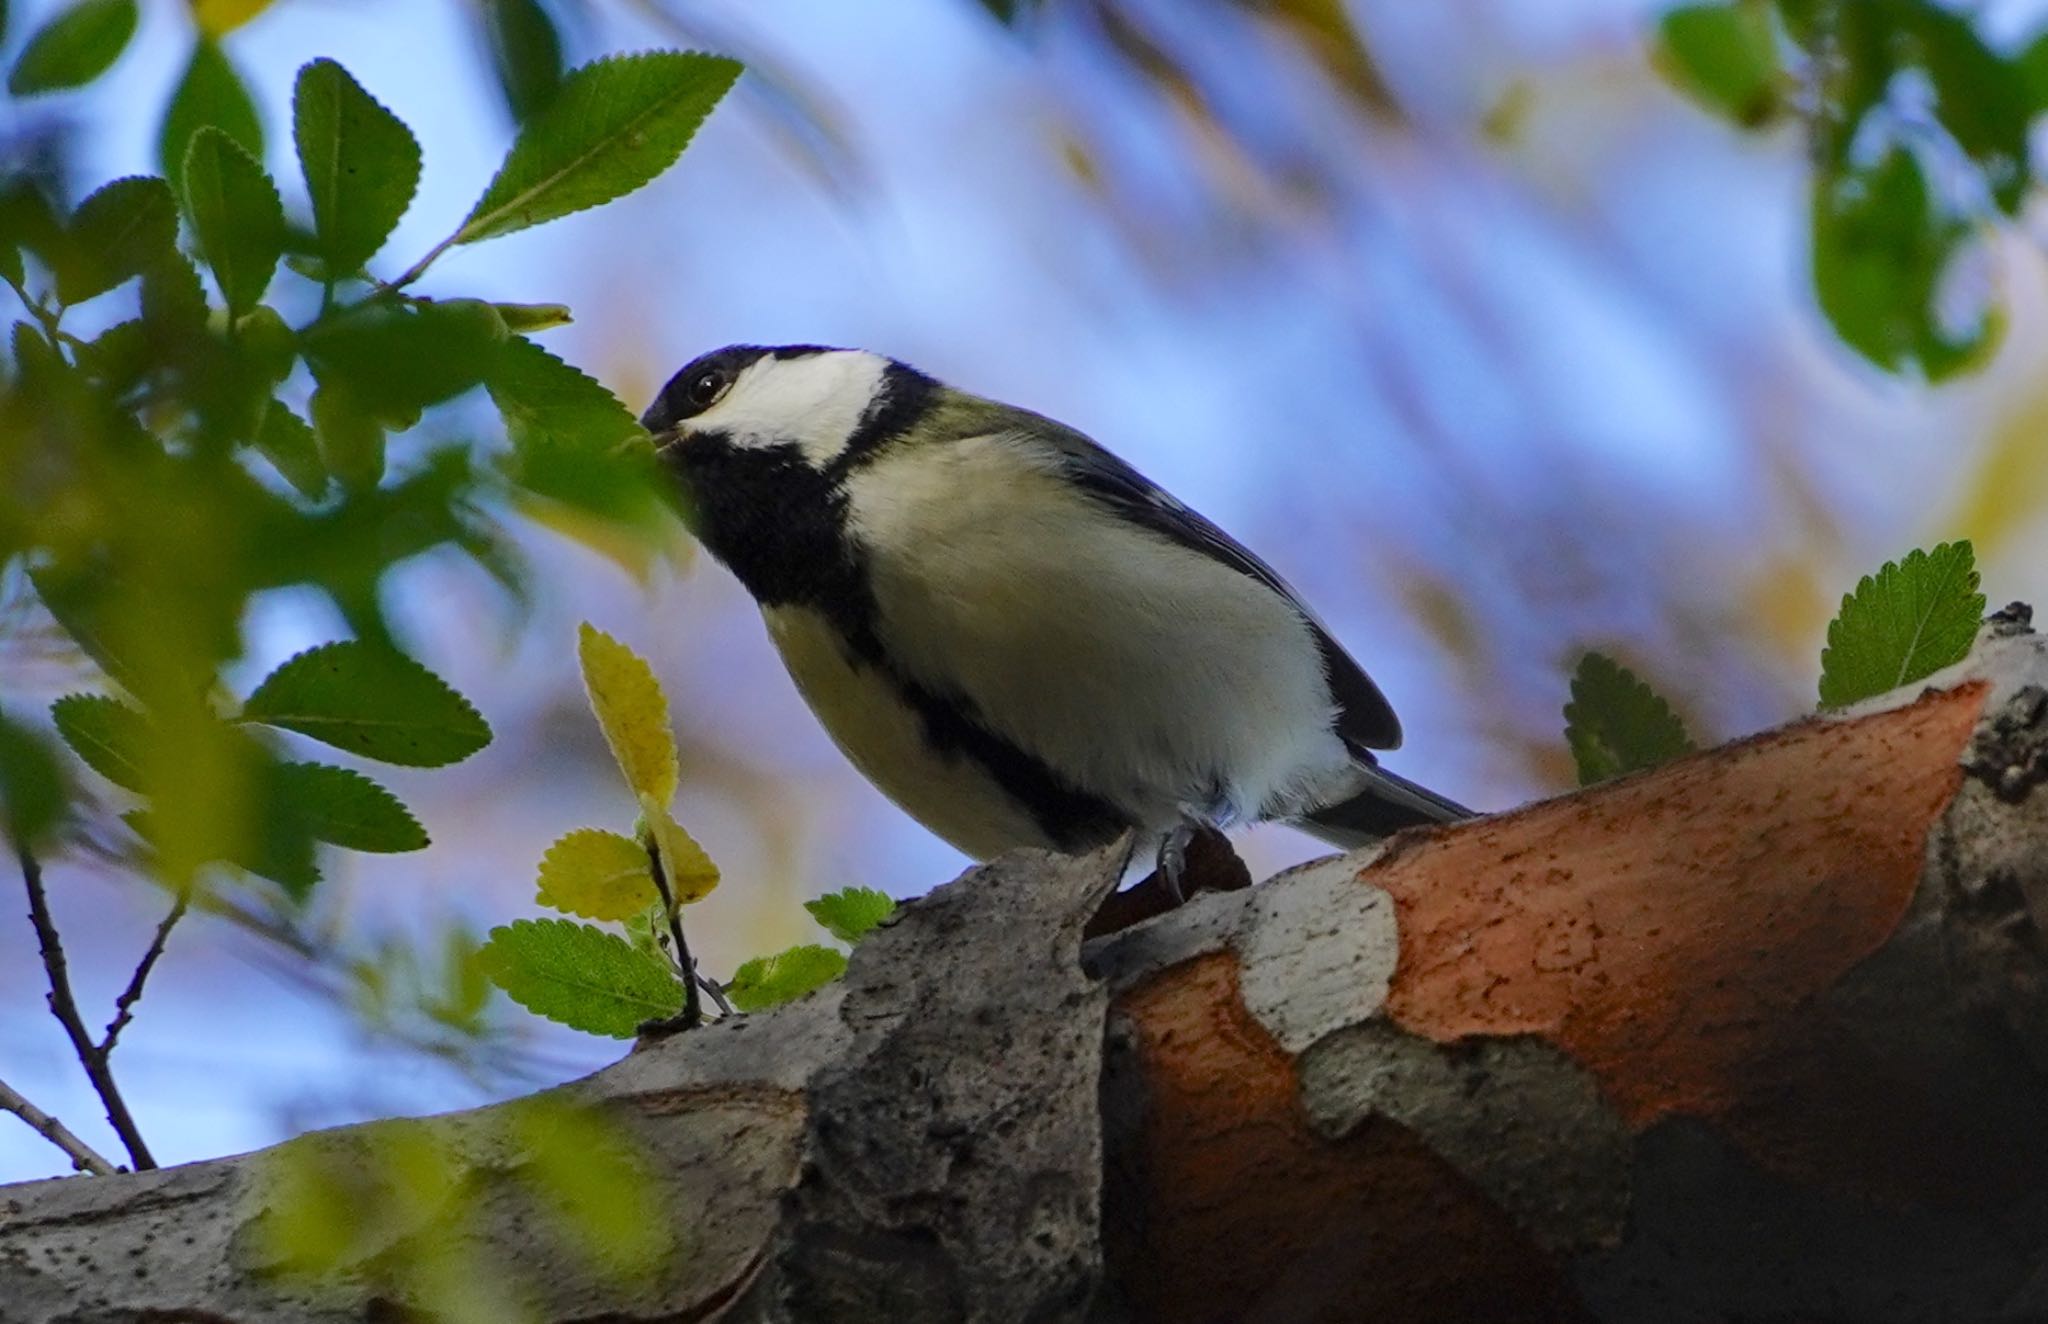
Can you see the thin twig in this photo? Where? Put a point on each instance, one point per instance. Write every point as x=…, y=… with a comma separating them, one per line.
x=692, y=1014
x=83, y=1156
x=65, y=1008
x=124, y=1006
x=419, y=268
x=717, y=992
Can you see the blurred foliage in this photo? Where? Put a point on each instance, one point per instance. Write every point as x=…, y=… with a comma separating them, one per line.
x=206, y=396
x=1919, y=133
x=416, y=1210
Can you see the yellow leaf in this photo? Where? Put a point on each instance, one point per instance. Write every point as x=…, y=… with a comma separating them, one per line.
x=217, y=17
x=690, y=872
x=629, y=706
x=596, y=874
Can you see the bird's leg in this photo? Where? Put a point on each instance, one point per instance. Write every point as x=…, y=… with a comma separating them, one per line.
x=1173, y=857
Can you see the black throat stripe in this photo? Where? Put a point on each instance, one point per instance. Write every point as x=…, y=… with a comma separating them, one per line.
x=780, y=526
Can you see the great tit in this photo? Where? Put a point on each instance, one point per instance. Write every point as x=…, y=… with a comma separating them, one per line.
x=1015, y=635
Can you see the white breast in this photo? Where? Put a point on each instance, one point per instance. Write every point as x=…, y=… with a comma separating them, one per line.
x=1146, y=672
x=883, y=738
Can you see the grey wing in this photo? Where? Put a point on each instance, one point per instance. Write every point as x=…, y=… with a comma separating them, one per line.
x=1365, y=720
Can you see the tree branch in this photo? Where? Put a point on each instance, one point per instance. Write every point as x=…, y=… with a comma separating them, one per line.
x=83, y=1156
x=64, y=1006
x=124, y=1006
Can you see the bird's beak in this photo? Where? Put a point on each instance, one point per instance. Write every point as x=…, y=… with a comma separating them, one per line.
x=665, y=439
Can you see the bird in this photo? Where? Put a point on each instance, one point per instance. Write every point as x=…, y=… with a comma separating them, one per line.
x=1012, y=633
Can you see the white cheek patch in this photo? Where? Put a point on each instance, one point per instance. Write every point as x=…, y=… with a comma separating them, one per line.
x=815, y=401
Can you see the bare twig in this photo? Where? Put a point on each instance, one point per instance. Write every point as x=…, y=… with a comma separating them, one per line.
x=124, y=1006
x=65, y=1008
x=83, y=1156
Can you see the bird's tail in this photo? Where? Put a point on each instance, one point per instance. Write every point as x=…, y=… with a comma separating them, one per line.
x=1388, y=803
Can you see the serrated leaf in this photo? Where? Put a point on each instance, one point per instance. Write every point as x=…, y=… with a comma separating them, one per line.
x=236, y=217
x=581, y=976
x=526, y=53
x=632, y=711
x=120, y=231
x=769, y=981
x=1616, y=724
x=1726, y=55
x=596, y=874
x=287, y=441
x=210, y=93
x=572, y=441
x=851, y=913
x=612, y=126
x=690, y=873
x=361, y=164
x=107, y=735
x=75, y=47
x=345, y=808
x=370, y=701
x=1906, y=622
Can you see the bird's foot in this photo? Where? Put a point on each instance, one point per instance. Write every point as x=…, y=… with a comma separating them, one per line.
x=1173, y=858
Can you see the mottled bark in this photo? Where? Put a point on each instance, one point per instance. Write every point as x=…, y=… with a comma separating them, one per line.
x=1762, y=1034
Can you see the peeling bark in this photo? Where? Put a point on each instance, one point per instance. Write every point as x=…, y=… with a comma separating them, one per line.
x=1762, y=1034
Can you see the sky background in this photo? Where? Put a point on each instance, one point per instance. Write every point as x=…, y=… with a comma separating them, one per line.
x=1533, y=368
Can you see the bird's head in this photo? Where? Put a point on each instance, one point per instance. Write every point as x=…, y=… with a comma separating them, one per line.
x=794, y=404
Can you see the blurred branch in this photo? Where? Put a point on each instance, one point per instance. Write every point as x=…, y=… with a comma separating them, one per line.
x=64, y=1007
x=83, y=1156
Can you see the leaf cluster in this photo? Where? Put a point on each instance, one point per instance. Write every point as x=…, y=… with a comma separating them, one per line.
x=218, y=442
x=1909, y=620
x=1895, y=202
x=617, y=982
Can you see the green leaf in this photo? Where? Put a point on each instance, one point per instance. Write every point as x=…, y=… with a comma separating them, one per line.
x=1909, y=620
x=581, y=976
x=74, y=48
x=769, y=981
x=852, y=913
x=236, y=216
x=31, y=785
x=1985, y=101
x=349, y=442
x=1879, y=251
x=370, y=701
x=106, y=734
x=286, y=440
x=1616, y=724
x=346, y=808
x=120, y=231
x=524, y=317
x=572, y=441
x=598, y=875
x=526, y=54
x=396, y=361
x=614, y=125
x=2033, y=63
x=361, y=164
x=210, y=94
x=1726, y=55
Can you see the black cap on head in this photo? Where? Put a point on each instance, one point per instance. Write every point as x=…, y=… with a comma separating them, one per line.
x=697, y=386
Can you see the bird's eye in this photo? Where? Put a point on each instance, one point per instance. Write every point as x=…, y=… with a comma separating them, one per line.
x=705, y=388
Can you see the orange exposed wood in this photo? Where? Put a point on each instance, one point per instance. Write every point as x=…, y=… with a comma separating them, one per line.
x=1237, y=1209
x=1672, y=932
